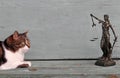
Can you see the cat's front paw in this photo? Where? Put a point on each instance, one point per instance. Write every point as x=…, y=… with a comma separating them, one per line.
x=25, y=64
x=28, y=62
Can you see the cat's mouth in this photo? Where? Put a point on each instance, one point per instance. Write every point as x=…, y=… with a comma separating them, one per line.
x=25, y=49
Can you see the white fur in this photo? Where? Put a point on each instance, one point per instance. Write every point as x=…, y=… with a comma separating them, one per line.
x=14, y=59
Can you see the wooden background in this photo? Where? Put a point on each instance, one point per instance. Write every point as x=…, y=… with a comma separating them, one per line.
x=59, y=29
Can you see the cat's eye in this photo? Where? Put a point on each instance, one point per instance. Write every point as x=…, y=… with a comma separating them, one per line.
x=22, y=43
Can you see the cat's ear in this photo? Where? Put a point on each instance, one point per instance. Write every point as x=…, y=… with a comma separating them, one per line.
x=15, y=35
x=26, y=33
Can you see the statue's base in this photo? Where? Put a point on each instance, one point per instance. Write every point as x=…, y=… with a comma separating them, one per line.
x=105, y=63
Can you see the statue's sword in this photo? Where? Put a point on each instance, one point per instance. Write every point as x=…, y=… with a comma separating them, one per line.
x=114, y=43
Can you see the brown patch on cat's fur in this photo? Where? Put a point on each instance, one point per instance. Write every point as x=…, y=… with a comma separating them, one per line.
x=16, y=41
x=2, y=54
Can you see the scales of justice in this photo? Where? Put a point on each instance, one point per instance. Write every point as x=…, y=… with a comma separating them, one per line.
x=105, y=43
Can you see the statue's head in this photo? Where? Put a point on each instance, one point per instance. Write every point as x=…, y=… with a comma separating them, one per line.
x=106, y=17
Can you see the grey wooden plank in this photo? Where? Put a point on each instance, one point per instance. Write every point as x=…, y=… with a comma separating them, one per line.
x=58, y=28
x=59, y=76
x=64, y=69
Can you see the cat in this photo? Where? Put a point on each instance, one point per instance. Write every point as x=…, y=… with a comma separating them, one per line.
x=12, y=51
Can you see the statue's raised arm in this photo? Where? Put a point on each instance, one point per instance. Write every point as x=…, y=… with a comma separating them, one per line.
x=99, y=20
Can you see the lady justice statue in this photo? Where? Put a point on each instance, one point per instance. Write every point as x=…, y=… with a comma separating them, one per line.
x=105, y=44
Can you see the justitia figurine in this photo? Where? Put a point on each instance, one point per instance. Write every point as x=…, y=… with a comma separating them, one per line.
x=105, y=44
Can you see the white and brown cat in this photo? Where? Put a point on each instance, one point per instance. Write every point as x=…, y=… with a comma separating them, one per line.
x=12, y=51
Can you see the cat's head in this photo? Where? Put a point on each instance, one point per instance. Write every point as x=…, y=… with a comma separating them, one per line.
x=17, y=41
